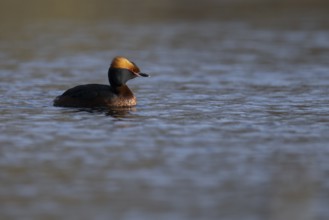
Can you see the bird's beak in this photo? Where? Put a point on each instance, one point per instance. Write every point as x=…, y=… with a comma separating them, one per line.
x=142, y=74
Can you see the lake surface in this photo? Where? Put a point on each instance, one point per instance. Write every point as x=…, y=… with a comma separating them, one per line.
x=232, y=124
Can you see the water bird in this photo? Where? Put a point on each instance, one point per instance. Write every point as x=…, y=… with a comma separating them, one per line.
x=117, y=94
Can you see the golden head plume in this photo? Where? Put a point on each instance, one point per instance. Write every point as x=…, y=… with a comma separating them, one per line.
x=123, y=63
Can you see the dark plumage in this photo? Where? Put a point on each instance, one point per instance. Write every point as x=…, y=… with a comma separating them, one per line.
x=116, y=94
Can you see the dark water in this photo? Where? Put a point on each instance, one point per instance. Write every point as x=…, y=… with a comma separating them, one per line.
x=233, y=123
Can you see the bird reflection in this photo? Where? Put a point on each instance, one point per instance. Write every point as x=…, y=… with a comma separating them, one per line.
x=120, y=112
x=115, y=112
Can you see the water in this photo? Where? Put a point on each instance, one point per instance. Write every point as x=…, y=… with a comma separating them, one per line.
x=232, y=124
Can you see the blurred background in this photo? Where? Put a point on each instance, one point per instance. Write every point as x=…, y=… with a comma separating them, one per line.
x=232, y=124
x=151, y=11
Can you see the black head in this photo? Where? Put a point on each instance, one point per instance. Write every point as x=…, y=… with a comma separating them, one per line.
x=122, y=70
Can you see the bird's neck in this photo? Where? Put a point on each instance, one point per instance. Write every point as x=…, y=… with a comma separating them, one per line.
x=123, y=91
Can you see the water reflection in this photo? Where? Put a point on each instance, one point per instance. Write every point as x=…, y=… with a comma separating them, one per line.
x=120, y=112
x=115, y=112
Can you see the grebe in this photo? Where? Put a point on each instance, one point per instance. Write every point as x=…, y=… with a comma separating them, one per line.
x=117, y=94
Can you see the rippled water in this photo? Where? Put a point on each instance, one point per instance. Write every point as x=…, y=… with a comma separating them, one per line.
x=232, y=124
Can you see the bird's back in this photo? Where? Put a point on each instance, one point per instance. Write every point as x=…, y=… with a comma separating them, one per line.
x=89, y=95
